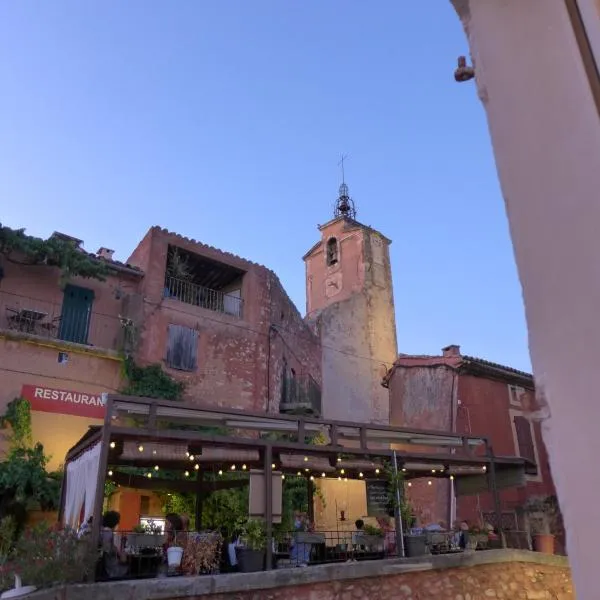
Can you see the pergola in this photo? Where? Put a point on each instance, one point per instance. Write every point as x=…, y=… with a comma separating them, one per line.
x=147, y=433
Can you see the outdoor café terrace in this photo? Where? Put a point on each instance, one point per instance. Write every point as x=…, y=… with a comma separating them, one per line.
x=205, y=445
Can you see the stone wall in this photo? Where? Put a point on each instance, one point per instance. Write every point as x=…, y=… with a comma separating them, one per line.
x=500, y=574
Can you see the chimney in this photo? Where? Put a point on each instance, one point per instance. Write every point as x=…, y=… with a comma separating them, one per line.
x=105, y=253
x=451, y=350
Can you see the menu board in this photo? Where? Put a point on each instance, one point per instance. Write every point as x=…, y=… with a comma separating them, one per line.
x=379, y=500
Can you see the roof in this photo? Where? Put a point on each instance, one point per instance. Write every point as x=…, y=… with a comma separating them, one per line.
x=464, y=364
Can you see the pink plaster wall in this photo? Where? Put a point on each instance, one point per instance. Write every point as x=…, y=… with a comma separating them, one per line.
x=544, y=128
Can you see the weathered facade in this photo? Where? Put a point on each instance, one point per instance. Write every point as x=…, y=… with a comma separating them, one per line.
x=462, y=394
x=223, y=325
x=350, y=302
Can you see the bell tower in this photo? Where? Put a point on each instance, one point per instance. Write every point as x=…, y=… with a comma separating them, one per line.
x=350, y=301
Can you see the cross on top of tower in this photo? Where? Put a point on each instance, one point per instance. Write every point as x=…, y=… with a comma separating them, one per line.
x=344, y=205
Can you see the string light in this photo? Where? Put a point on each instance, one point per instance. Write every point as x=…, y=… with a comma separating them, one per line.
x=187, y=453
x=360, y=475
x=112, y=444
x=273, y=466
x=377, y=471
x=187, y=473
x=342, y=471
x=191, y=457
x=220, y=472
x=339, y=478
x=282, y=476
x=322, y=474
x=429, y=482
x=409, y=484
x=156, y=467
x=149, y=475
x=433, y=470
x=339, y=459
x=197, y=466
x=110, y=473
x=298, y=473
x=451, y=477
x=484, y=468
x=312, y=478
x=141, y=448
x=306, y=470
x=244, y=467
x=233, y=467
x=346, y=479
x=306, y=459
x=404, y=470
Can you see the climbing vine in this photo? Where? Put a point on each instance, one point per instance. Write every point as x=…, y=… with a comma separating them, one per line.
x=20, y=248
x=18, y=418
x=150, y=381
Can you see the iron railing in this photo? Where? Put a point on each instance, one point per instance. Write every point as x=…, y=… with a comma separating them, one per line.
x=198, y=295
x=40, y=318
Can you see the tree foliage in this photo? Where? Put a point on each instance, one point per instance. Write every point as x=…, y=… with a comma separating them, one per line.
x=23, y=249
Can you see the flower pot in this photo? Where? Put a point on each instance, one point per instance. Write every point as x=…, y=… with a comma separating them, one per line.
x=174, y=554
x=415, y=545
x=250, y=561
x=543, y=542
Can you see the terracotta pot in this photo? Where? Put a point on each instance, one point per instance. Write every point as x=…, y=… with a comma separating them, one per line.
x=543, y=542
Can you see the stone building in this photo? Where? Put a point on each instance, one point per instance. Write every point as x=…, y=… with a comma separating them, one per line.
x=350, y=302
x=461, y=394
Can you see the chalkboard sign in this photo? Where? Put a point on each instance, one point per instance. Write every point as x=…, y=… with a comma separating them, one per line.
x=379, y=499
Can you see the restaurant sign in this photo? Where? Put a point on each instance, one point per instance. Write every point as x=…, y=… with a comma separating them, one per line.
x=68, y=402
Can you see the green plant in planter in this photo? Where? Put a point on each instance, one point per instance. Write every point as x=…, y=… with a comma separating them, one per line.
x=254, y=534
x=374, y=531
x=139, y=528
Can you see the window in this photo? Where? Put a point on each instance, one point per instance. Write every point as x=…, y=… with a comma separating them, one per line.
x=332, y=252
x=515, y=395
x=182, y=348
x=76, y=314
x=144, y=505
x=525, y=441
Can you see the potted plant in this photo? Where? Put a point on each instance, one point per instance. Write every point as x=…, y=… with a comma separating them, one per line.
x=145, y=536
x=251, y=555
x=544, y=522
x=373, y=538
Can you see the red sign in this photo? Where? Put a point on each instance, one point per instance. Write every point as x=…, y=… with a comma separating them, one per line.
x=68, y=402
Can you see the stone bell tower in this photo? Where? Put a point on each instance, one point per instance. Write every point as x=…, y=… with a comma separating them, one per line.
x=350, y=301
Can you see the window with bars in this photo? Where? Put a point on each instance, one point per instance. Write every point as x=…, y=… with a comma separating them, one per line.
x=525, y=438
x=182, y=348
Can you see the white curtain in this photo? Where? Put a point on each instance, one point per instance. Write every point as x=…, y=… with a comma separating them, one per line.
x=82, y=479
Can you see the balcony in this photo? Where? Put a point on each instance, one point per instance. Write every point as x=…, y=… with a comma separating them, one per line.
x=198, y=295
x=41, y=319
x=300, y=395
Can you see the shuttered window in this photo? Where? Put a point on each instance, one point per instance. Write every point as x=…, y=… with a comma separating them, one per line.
x=525, y=438
x=182, y=348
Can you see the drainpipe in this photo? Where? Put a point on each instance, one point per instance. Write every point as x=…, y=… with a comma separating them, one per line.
x=453, y=426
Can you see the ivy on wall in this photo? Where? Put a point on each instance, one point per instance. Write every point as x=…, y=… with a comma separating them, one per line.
x=22, y=249
x=150, y=381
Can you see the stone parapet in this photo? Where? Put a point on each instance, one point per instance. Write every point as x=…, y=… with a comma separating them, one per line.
x=503, y=574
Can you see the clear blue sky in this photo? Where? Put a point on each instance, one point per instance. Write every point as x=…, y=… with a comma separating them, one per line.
x=224, y=121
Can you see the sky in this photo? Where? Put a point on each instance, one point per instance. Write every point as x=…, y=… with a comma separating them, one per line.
x=225, y=121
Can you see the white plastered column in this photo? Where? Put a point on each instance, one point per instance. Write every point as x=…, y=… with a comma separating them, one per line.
x=545, y=132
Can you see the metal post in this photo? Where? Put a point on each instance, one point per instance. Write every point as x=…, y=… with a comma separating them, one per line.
x=268, y=460
x=101, y=480
x=199, y=500
x=494, y=489
x=397, y=512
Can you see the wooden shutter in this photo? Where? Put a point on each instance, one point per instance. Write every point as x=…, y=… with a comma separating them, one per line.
x=182, y=348
x=525, y=438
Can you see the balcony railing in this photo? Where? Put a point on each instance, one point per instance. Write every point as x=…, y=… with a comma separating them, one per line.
x=300, y=395
x=78, y=325
x=198, y=295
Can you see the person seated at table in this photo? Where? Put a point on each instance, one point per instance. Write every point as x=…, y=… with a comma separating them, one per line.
x=176, y=535
x=300, y=551
x=389, y=534
x=463, y=538
x=185, y=522
x=113, y=559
